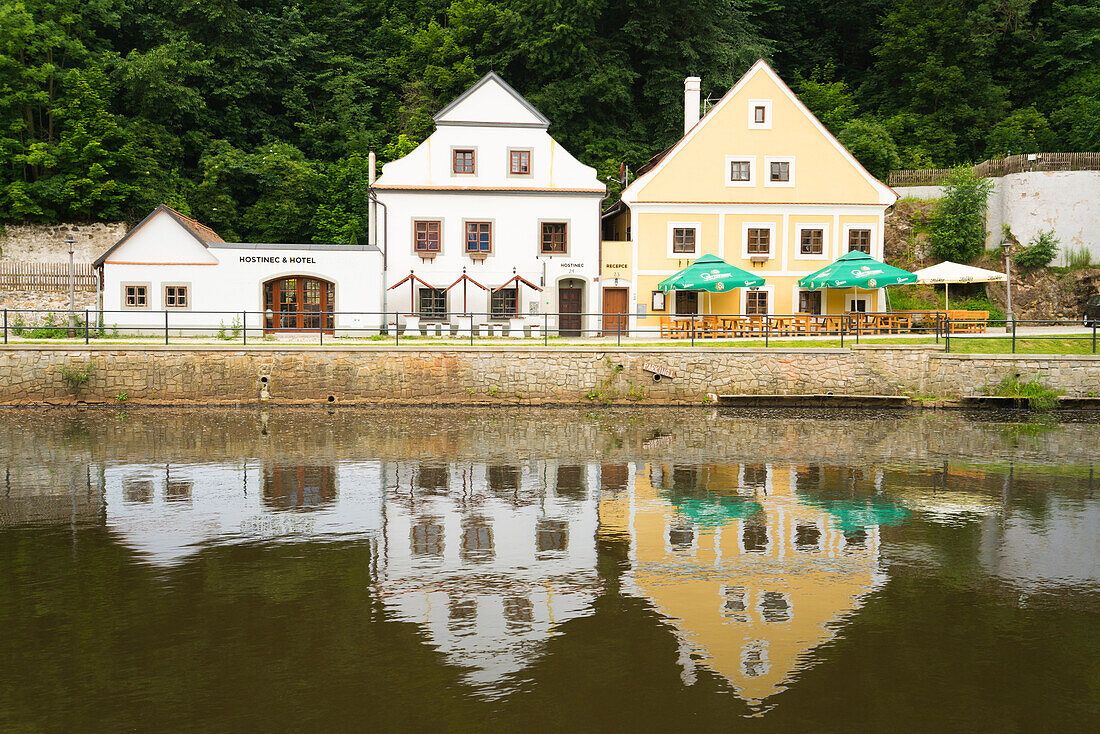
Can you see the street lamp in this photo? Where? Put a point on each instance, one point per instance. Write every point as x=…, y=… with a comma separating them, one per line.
x=1009, y=318
x=72, y=285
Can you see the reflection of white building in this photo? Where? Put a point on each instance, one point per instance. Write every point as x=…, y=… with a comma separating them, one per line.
x=166, y=513
x=490, y=559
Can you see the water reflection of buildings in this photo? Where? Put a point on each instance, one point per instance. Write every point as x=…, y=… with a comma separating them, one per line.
x=490, y=559
x=166, y=512
x=752, y=569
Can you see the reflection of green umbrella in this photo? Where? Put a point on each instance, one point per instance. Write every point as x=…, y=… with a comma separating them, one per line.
x=710, y=273
x=856, y=270
x=714, y=509
x=859, y=513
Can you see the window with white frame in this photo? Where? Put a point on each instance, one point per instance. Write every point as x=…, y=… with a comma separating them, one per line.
x=812, y=241
x=756, y=303
x=740, y=170
x=683, y=239
x=760, y=114
x=859, y=239
x=779, y=171
x=758, y=241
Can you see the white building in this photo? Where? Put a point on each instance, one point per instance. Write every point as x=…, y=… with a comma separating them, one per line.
x=491, y=195
x=171, y=264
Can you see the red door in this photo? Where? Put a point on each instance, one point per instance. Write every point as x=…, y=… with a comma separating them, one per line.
x=569, y=311
x=614, y=311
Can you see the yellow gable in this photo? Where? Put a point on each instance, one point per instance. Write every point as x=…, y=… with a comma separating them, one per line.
x=820, y=171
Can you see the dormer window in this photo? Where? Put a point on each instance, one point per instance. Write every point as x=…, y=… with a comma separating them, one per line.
x=519, y=162
x=463, y=161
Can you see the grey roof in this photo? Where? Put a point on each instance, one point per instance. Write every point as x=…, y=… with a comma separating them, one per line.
x=492, y=75
x=287, y=246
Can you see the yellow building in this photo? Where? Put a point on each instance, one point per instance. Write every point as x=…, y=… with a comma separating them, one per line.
x=751, y=573
x=759, y=182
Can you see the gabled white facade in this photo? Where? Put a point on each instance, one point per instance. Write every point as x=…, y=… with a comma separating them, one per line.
x=462, y=175
x=171, y=264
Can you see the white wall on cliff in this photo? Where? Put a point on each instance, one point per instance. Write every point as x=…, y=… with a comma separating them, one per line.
x=1066, y=201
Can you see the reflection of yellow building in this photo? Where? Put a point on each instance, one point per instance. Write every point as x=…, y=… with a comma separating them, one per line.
x=751, y=576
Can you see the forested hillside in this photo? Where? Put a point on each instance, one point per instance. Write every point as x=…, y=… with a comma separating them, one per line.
x=256, y=116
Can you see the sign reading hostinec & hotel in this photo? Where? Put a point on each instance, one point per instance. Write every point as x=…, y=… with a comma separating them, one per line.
x=279, y=259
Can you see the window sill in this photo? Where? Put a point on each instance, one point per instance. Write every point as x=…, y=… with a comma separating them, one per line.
x=477, y=255
x=425, y=255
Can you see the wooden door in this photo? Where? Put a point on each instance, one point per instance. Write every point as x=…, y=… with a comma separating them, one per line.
x=614, y=311
x=569, y=311
x=298, y=304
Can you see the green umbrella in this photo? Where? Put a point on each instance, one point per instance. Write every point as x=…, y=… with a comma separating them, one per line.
x=856, y=270
x=715, y=509
x=710, y=273
x=852, y=514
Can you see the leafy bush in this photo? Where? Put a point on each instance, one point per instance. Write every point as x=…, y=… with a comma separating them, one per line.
x=1040, y=251
x=76, y=376
x=52, y=328
x=18, y=326
x=1038, y=395
x=1078, y=258
x=958, y=226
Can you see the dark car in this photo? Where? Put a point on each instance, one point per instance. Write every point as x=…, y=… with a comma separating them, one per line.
x=1092, y=311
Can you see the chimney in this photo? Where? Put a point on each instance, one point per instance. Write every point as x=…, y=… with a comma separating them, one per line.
x=691, y=102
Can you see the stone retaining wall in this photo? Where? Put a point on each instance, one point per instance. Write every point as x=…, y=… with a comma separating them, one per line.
x=508, y=375
x=46, y=242
x=21, y=300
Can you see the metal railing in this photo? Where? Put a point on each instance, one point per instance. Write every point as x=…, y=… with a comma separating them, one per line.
x=243, y=326
x=958, y=331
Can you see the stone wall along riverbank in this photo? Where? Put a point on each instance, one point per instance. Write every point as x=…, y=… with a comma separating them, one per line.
x=507, y=375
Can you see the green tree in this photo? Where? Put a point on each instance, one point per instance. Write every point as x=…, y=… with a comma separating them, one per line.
x=958, y=225
x=1023, y=131
x=870, y=142
x=831, y=100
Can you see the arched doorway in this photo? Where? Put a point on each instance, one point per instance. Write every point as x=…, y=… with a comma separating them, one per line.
x=298, y=303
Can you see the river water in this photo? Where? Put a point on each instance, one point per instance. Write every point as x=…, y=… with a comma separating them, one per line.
x=548, y=570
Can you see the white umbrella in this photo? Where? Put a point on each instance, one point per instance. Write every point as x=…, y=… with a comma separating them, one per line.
x=948, y=272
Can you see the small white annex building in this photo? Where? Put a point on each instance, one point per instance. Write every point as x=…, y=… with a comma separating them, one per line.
x=170, y=264
x=492, y=197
